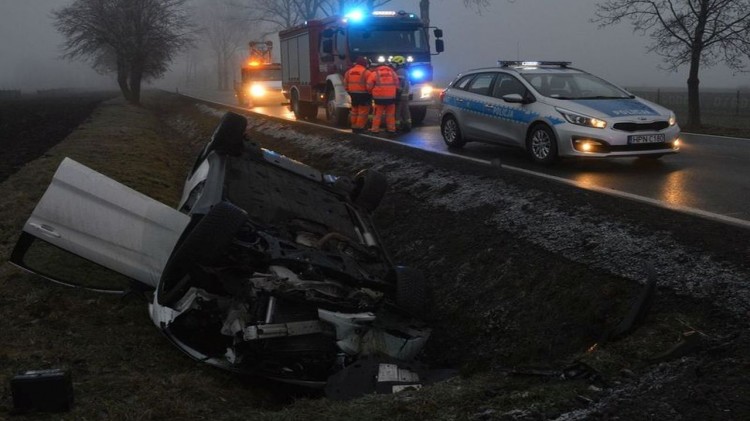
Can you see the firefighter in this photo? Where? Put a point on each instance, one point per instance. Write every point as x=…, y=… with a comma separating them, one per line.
x=403, y=116
x=355, y=81
x=382, y=84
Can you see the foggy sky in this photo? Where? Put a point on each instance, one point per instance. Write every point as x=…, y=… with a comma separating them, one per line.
x=524, y=29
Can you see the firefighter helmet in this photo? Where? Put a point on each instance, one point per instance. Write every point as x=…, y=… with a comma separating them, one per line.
x=398, y=60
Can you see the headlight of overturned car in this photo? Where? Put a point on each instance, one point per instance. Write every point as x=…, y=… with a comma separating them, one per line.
x=581, y=119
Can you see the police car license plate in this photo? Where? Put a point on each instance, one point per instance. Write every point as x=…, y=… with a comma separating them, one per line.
x=646, y=138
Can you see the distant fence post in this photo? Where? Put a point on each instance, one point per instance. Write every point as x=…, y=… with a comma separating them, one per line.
x=658, y=95
x=737, y=104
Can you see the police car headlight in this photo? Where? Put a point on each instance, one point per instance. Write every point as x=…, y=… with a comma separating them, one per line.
x=582, y=120
x=672, y=119
x=257, y=90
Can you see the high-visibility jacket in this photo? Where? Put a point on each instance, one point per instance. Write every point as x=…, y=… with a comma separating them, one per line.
x=355, y=79
x=383, y=83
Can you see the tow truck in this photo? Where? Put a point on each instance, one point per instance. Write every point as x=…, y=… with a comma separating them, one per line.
x=260, y=77
x=315, y=56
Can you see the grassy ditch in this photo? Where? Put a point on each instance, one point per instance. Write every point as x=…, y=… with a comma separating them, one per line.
x=507, y=313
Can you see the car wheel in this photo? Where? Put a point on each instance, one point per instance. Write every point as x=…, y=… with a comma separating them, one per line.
x=296, y=106
x=542, y=145
x=451, y=132
x=339, y=117
x=412, y=294
x=229, y=134
x=417, y=114
x=203, y=245
x=369, y=189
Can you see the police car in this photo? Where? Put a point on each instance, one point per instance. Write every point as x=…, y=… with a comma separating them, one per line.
x=553, y=110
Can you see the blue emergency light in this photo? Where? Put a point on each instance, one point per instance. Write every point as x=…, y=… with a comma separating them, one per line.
x=355, y=16
x=417, y=74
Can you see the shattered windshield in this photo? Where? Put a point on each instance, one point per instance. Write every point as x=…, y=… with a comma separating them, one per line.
x=385, y=40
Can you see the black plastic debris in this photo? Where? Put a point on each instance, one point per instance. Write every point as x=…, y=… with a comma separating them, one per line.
x=42, y=390
x=638, y=310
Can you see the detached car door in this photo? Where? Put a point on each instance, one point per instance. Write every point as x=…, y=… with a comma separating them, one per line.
x=86, y=217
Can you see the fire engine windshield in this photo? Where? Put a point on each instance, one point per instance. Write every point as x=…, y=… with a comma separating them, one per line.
x=385, y=40
x=261, y=74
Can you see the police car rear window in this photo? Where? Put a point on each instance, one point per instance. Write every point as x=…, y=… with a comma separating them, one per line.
x=481, y=84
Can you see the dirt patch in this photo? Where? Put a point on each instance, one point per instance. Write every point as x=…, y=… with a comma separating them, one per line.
x=526, y=278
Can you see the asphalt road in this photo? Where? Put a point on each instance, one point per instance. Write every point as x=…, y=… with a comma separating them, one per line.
x=709, y=177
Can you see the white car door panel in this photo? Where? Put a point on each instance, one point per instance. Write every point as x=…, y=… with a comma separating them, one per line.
x=103, y=221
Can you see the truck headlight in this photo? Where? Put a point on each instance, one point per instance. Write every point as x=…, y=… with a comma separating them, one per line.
x=425, y=92
x=257, y=90
x=582, y=120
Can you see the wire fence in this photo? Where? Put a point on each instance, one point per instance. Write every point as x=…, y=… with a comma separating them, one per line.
x=726, y=108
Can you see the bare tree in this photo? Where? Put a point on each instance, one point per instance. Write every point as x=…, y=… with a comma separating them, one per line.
x=280, y=14
x=137, y=39
x=424, y=8
x=225, y=35
x=694, y=32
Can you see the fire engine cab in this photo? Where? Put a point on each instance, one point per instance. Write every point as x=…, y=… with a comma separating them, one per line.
x=315, y=56
x=260, y=77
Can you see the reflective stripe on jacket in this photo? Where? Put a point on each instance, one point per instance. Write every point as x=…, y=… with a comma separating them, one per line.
x=355, y=79
x=383, y=83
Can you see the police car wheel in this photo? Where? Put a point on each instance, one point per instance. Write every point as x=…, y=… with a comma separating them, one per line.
x=451, y=133
x=542, y=145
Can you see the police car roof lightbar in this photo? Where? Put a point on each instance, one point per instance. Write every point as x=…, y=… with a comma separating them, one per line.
x=508, y=63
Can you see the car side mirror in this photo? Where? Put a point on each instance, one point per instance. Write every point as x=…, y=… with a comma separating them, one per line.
x=514, y=99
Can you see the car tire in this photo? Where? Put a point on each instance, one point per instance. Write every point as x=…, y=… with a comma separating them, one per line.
x=369, y=189
x=203, y=245
x=298, y=107
x=412, y=294
x=229, y=134
x=541, y=144
x=451, y=132
x=418, y=115
x=339, y=117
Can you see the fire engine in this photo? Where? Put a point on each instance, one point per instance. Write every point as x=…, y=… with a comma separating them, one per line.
x=315, y=56
x=260, y=77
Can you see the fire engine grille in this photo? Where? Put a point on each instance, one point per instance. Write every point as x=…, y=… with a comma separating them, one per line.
x=641, y=127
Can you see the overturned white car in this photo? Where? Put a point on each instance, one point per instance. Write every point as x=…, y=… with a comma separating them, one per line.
x=267, y=267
